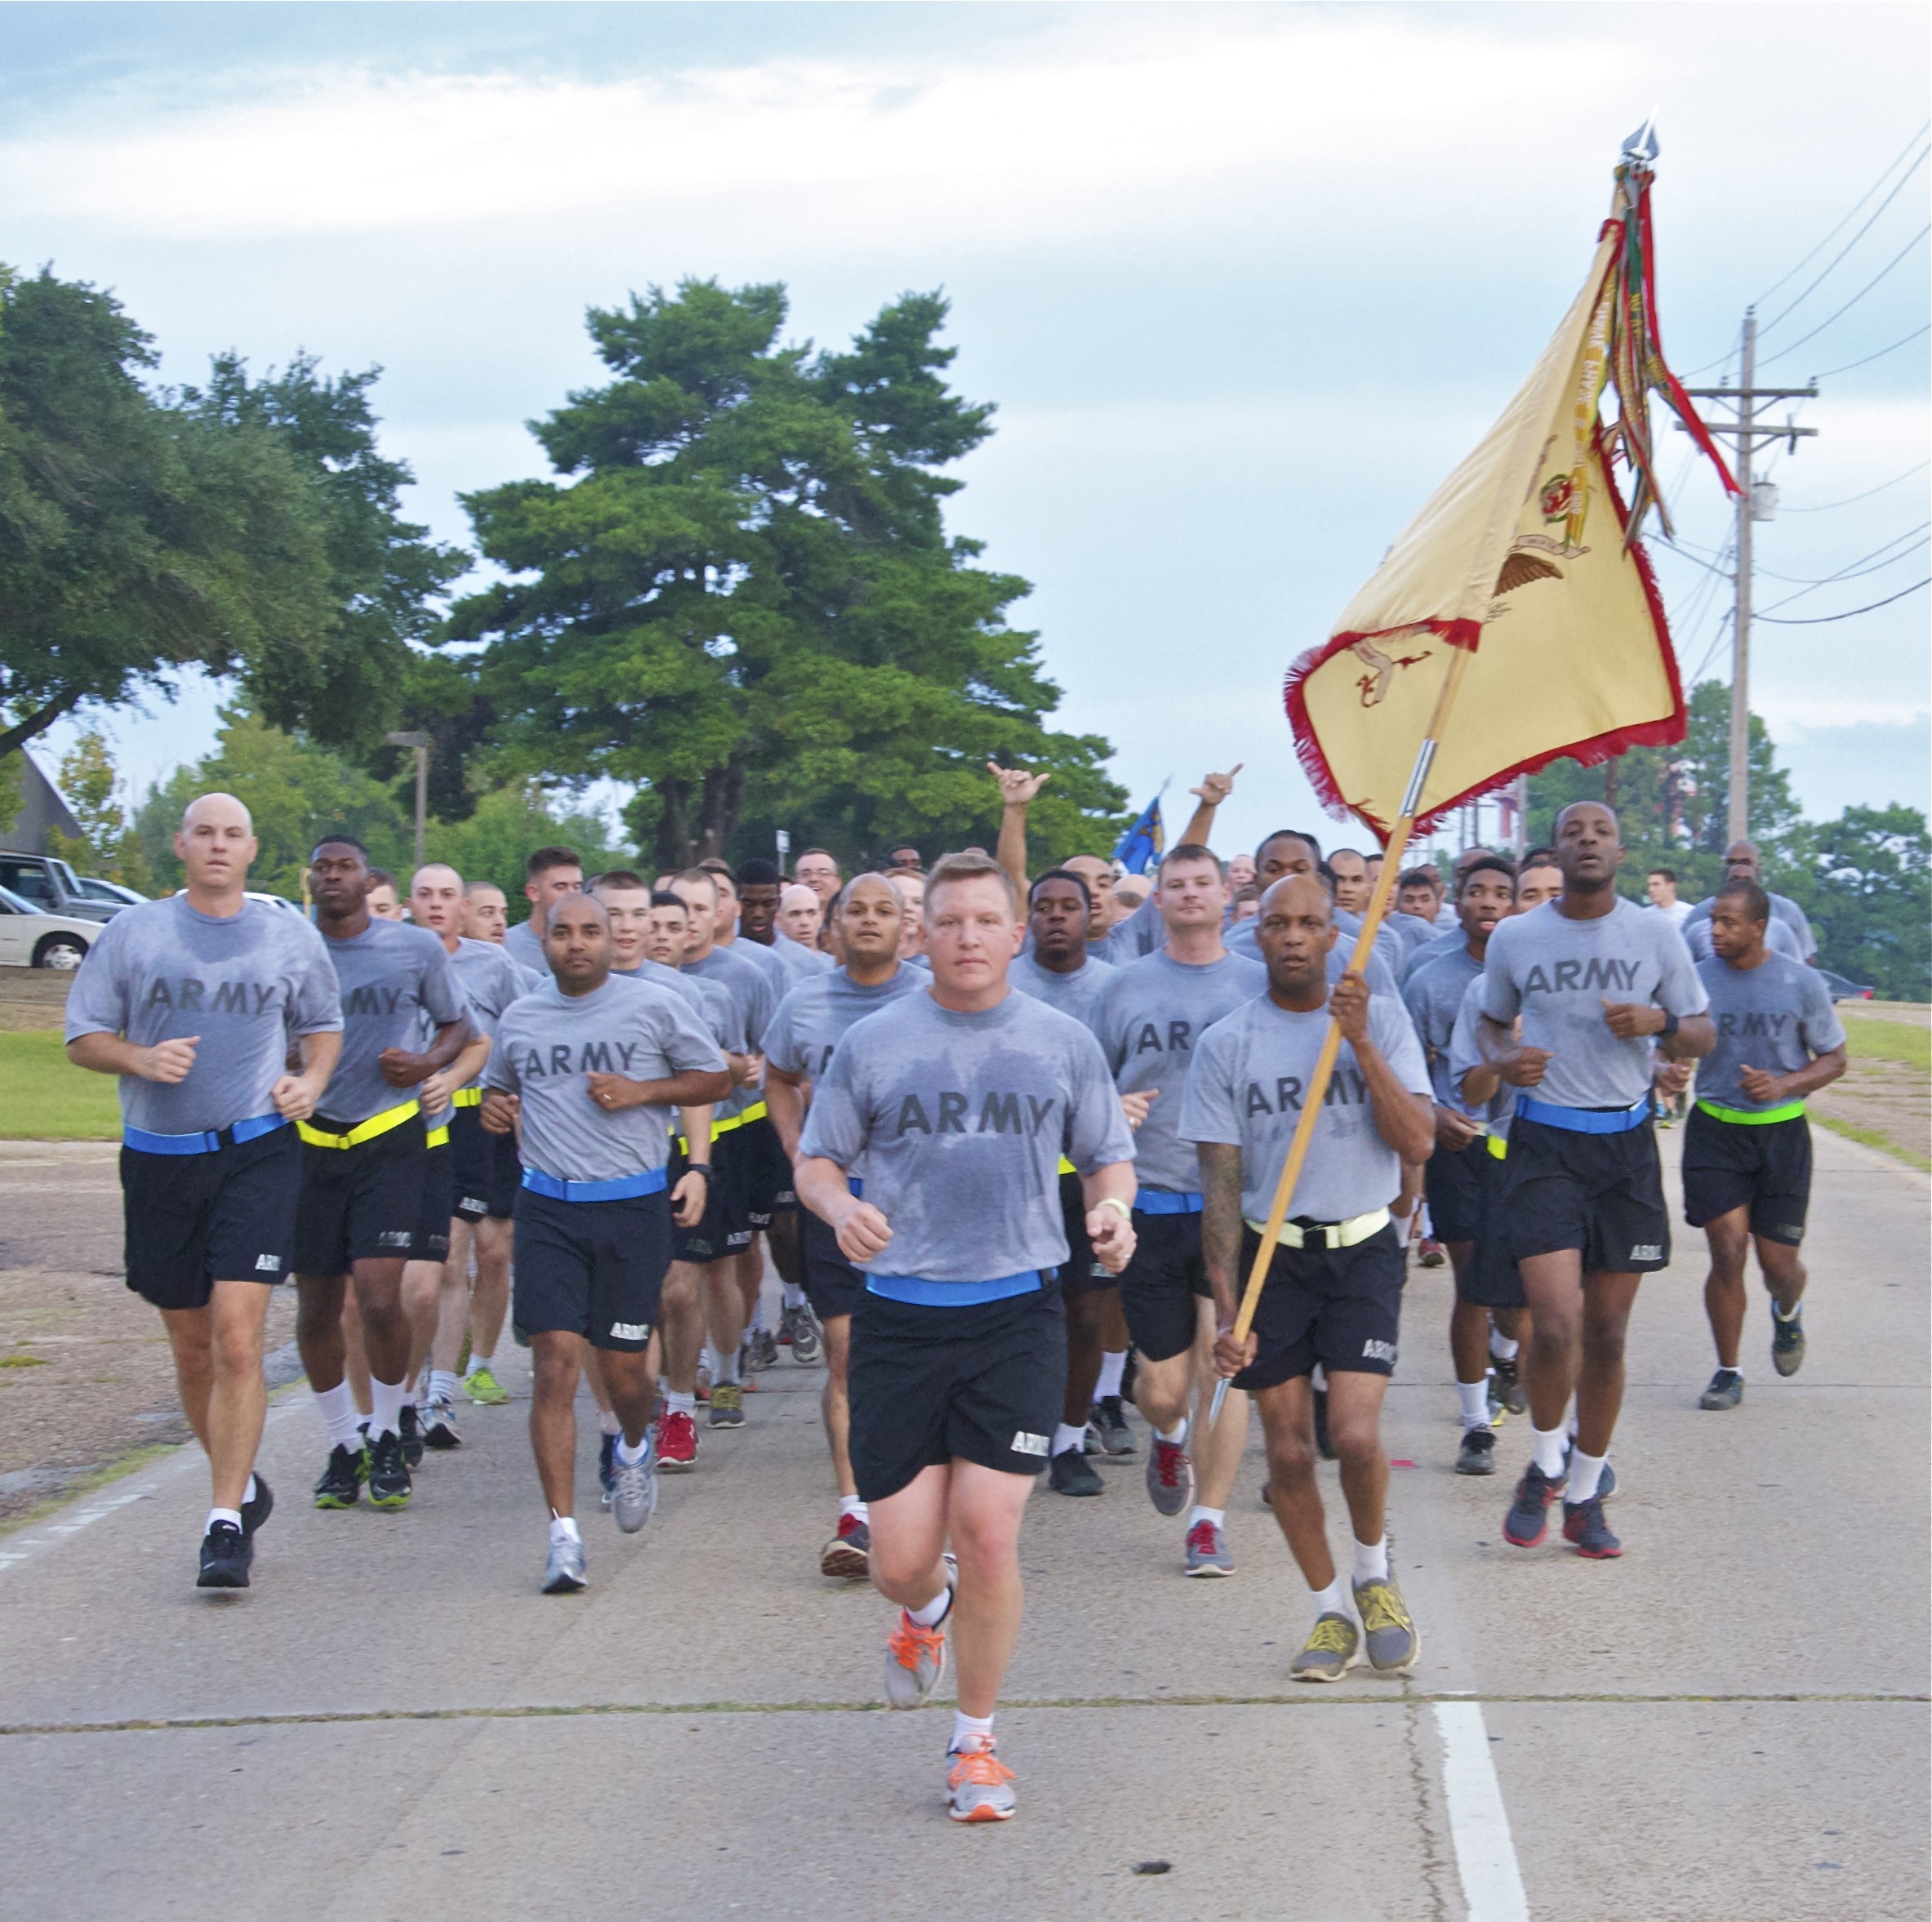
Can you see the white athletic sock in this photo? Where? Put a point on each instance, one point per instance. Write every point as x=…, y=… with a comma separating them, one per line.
x=627, y=1456
x=252, y=1491
x=707, y=1359
x=1372, y=1561
x=755, y=1326
x=1218, y=1516
x=970, y=1730
x=479, y=1360
x=1585, y=1472
x=564, y=1528
x=1475, y=1397
x=608, y=1422
x=1426, y=1227
x=726, y=1370
x=340, y=1415
x=851, y=1505
x=1334, y=1600
x=1113, y=1365
x=231, y=1516
x=935, y=1610
x=675, y=1403
x=442, y=1385
x=1569, y=1424
x=1174, y=1437
x=386, y=1408
x=794, y=1296
x=1066, y=1435
x=1502, y=1347
x=1780, y=1312
x=1548, y=1446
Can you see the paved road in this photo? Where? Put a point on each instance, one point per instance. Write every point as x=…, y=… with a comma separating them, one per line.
x=1730, y=1721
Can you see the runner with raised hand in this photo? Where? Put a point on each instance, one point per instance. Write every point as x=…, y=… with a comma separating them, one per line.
x=589, y=1069
x=958, y=1103
x=1334, y=1291
x=810, y=1022
x=192, y=1000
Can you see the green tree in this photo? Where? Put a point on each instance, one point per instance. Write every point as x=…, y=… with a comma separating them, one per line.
x=1865, y=880
x=492, y=842
x=91, y=784
x=740, y=598
x=138, y=537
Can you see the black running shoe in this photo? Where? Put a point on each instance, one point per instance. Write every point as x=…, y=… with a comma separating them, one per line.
x=1110, y=1420
x=1788, y=1340
x=225, y=1554
x=256, y=1511
x=1507, y=1386
x=1323, y=1446
x=341, y=1483
x=1584, y=1525
x=1477, y=1455
x=412, y=1437
x=1726, y=1390
x=1529, y=1518
x=1071, y=1473
x=389, y=1473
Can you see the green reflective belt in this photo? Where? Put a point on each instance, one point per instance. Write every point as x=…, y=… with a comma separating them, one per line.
x=1786, y=1111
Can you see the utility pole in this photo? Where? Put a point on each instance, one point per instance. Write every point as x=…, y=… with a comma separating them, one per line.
x=1749, y=434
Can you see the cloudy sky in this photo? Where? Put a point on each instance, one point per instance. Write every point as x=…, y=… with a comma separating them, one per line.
x=1243, y=281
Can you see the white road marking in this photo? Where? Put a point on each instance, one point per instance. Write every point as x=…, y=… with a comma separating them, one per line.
x=23, y=1547
x=1479, y=1823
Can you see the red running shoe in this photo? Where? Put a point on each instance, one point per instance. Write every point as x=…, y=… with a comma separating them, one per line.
x=677, y=1444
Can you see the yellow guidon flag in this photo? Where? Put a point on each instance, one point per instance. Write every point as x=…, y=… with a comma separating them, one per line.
x=1527, y=558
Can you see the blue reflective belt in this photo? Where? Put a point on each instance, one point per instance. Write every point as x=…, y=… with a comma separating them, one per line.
x=1584, y=1121
x=1162, y=1201
x=251, y=1130
x=917, y=1289
x=623, y=1189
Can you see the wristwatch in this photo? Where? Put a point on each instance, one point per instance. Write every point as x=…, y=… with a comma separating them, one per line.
x=1669, y=1027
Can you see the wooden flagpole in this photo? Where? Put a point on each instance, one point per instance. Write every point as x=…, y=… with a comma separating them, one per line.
x=1331, y=1047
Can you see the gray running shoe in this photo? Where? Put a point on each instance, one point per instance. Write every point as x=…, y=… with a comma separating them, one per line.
x=759, y=1351
x=1170, y=1476
x=1329, y=1652
x=915, y=1656
x=807, y=1340
x=1071, y=1473
x=1207, y=1550
x=1787, y=1340
x=634, y=1492
x=1726, y=1390
x=564, y=1574
x=979, y=1786
x=1110, y=1422
x=1393, y=1645
x=1477, y=1455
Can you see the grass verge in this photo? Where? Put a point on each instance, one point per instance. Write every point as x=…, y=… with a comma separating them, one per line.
x=44, y=1097
x=1870, y=1137
x=1880, y=1040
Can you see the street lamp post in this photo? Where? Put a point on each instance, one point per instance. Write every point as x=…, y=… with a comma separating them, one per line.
x=417, y=739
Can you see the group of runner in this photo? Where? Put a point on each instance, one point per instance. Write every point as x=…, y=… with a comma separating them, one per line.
x=1005, y=1140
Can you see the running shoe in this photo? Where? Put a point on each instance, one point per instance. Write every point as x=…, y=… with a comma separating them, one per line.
x=1506, y=1384
x=808, y=1339
x=634, y=1493
x=847, y=1556
x=1323, y=1446
x=257, y=1510
x=412, y=1434
x=1170, y=1477
x=915, y=1656
x=1207, y=1550
x=225, y=1553
x=703, y=1390
x=677, y=1444
x=727, y=1405
x=1477, y=1455
x=389, y=1472
x=980, y=1787
x=1110, y=1420
x=341, y=1483
x=760, y=1350
x=1788, y=1340
x=1330, y=1651
x=1089, y=1440
x=564, y=1573
x=1432, y=1253
x=483, y=1388
x=1606, y=1482
x=1584, y=1525
x=1726, y=1390
x=1528, y=1520
x=607, y=1469
x=439, y=1427
x=1071, y=1473
x=1388, y=1634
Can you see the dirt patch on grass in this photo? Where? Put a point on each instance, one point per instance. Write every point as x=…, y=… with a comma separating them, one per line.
x=32, y=997
x=1885, y=1097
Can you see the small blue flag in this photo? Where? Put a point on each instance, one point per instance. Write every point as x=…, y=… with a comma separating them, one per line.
x=1144, y=841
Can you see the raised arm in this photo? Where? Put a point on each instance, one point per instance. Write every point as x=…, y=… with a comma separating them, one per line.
x=1214, y=790
x=1017, y=789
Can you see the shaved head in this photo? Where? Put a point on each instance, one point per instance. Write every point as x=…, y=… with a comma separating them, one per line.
x=577, y=907
x=435, y=870
x=217, y=807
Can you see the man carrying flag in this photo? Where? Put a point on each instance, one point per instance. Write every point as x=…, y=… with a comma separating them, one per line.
x=1145, y=841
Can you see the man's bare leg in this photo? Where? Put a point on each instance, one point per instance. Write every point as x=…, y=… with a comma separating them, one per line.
x=217, y=1352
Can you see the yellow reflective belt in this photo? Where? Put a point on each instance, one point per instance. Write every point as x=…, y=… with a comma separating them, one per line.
x=467, y=1097
x=1497, y=1146
x=437, y=1137
x=756, y=1112
x=1344, y=1234
x=1066, y=1167
x=363, y=1131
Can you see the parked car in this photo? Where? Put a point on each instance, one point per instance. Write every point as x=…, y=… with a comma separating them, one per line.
x=1841, y=988
x=30, y=939
x=109, y=893
x=51, y=887
x=273, y=901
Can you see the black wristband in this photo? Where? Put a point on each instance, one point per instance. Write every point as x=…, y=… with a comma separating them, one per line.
x=698, y=1167
x=1669, y=1027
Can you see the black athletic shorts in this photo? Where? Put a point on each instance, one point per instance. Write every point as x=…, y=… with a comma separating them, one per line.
x=1765, y=1166
x=591, y=1268
x=193, y=1220
x=1600, y=1193
x=487, y=1172
x=1341, y=1307
x=438, y=1202
x=725, y=1226
x=360, y=1203
x=1452, y=1180
x=833, y=1286
x=1490, y=1278
x=1082, y=1273
x=983, y=1383
x=1160, y=1286
x=766, y=1172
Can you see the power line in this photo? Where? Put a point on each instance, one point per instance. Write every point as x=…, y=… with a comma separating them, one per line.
x=1857, y=297
x=1820, y=620
x=1880, y=355
x=1796, y=271
x=1897, y=187
x=1853, y=569
x=1851, y=499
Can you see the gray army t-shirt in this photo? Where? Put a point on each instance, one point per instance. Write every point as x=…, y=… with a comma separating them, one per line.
x=768, y=963
x=1148, y=1018
x=959, y=1122
x=800, y=960
x=1433, y=996
x=814, y=1017
x=524, y=946
x=549, y=1042
x=1464, y=1052
x=1245, y=1087
x=397, y=984
x=488, y=980
x=243, y=983
x=1072, y=993
x=1557, y=973
x=1776, y=1016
